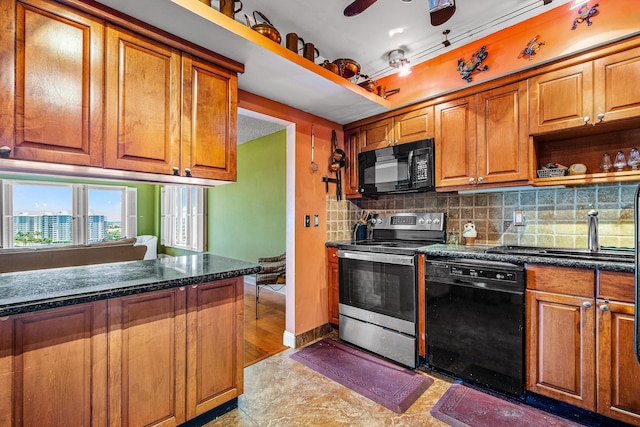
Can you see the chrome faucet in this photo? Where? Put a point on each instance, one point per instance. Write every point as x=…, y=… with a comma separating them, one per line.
x=592, y=235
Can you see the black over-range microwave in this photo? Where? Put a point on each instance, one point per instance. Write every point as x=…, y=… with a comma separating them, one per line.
x=400, y=168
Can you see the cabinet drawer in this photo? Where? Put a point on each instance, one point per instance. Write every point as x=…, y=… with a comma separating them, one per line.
x=616, y=286
x=563, y=280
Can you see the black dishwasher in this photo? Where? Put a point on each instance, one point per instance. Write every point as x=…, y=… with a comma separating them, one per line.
x=475, y=322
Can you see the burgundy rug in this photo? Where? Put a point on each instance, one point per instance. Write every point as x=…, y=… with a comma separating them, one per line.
x=463, y=406
x=390, y=385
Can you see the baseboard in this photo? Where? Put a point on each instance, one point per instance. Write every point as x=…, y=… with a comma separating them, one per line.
x=289, y=339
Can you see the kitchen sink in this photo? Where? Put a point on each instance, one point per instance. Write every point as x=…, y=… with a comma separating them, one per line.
x=604, y=254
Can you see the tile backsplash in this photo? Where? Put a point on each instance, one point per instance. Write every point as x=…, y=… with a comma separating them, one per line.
x=553, y=217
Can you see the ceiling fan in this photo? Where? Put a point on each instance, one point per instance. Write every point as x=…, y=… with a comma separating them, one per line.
x=440, y=10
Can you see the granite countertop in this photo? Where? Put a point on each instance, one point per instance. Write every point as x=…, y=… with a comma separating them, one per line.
x=25, y=291
x=478, y=252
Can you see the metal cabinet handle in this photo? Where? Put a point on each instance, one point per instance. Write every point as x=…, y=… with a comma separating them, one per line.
x=176, y=171
x=480, y=179
x=586, y=119
x=471, y=180
x=389, y=142
x=586, y=304
x=600, y=117
x=604, y=307
x=5, y=151
x=187, y=172
x=334, y=254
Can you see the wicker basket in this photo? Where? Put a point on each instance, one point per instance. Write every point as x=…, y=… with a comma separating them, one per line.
x=551, y=173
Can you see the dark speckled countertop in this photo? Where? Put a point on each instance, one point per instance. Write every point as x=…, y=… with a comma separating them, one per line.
x=478, y=252
x=26, y=291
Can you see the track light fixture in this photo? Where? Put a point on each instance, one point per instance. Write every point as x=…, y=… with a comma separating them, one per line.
x=446, y=42
x=397, y=60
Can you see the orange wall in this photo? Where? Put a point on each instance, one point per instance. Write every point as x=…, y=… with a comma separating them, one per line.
x=310, y=289
x=616, y=19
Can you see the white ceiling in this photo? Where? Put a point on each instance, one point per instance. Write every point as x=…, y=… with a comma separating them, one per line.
x=388, y=24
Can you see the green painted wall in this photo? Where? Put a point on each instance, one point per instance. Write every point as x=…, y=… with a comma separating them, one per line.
x=148, y=198
x=247, y=219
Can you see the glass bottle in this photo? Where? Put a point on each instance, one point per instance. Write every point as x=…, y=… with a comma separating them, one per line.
x=453, y=237
x=634, y=159
x=620, y=161
x=606, y=162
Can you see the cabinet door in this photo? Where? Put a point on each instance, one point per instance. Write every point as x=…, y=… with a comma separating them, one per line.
x=413, y=126
x=142, y=130
x=616, y=89
x=618, y=370
x=209, y=122
x=53, y=367
x=215, y=349
x=455, y=142
x=147, y=366
x=376, y=135
x=332, y=285
x=502, y=134
x=561, y=99
x=58, y=85
x=352, y=149
x=561, y=347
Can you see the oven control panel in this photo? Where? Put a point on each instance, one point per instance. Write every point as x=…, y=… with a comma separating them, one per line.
x=482, y=273
x=409, y=221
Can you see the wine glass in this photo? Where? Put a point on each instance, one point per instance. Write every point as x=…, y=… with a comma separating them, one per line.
x=634, y=159
x=620, y=162
x=606, y=162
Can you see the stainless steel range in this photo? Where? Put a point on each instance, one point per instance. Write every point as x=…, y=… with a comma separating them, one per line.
x=378, y=284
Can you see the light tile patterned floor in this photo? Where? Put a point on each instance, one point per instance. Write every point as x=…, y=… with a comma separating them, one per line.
x=279, y=391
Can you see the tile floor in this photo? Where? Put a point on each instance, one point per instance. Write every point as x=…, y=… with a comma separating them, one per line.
x=279, y=391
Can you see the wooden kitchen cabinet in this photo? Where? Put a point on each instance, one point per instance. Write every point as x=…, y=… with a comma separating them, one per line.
x=455, y=142
x=53, y=367
x=351, y=149
x=618, y=370
x=580, y=340
x=53, y=112
x=332, y=285
x=579, y=94
x=147, y=359
x=143, y=87
x=215, y=344
x=482, y=139
x=209, y=120
x=411, y=126
x=168, y=112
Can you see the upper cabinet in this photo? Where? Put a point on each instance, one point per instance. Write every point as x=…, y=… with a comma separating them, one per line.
x=82, y=91
x=209, y=120
x=168, y=112
x=351, y=149
x=482, y=139
x=143, y=104
x=54, y=112
x=594, y=92
x=407, y=127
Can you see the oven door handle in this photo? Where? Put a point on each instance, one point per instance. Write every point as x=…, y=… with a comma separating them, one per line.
x=378, y=257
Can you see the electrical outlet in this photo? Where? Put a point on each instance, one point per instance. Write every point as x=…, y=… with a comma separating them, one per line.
x=316, y=220
x=307, y=221
x=518, y=218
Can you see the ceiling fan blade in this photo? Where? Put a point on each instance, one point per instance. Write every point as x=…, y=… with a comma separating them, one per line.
x=357, y=7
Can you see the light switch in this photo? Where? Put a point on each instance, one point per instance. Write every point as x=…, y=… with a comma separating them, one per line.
x=307, y=221
x=518, y=218
x=316, y=220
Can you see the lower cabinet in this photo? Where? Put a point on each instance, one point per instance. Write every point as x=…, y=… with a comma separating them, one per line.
x=152, y=359
x=580, y=340
x=332, y=285
x=53, y=367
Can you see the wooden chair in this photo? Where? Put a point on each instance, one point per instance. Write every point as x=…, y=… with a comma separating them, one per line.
x=273, y=273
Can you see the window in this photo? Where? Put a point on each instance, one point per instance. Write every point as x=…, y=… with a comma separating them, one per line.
x=56, y=214
x=182, y=221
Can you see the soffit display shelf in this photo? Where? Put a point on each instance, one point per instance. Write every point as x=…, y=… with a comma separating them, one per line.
x=271, y=70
